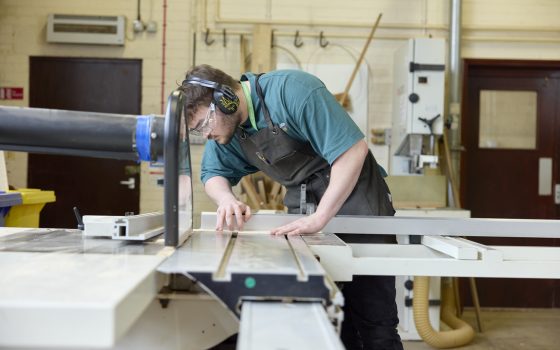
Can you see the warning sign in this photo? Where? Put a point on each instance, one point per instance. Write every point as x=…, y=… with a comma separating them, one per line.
x=11, y=93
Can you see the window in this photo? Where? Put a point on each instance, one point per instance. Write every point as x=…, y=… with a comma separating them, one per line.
x=508, y=119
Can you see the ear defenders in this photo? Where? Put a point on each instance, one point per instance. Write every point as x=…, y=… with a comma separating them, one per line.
x=223, y=96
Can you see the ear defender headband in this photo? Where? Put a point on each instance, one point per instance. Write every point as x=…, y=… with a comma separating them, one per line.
x=223, y=96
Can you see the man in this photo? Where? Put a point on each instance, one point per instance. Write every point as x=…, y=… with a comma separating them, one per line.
x=287, y=124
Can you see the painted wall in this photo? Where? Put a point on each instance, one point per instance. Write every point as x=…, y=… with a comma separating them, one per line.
x=23, y=34
x=505, y=29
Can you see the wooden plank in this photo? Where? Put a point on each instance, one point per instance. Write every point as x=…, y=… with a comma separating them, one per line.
x=249, y=189
x=242, y=53
x=262, y=192
x=418, y=191
x=261, y=59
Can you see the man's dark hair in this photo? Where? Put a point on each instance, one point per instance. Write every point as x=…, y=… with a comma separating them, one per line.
x=197, y=95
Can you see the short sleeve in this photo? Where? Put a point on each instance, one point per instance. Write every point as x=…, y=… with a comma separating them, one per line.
x=327, y=126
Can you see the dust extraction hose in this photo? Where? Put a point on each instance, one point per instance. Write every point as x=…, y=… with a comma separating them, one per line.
x=462, y=333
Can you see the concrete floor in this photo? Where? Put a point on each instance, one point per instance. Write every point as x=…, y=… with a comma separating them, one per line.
x=534, y=329
x=531, y=329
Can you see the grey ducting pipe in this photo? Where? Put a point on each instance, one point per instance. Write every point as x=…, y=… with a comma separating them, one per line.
x=88, y=134
x=461, y=334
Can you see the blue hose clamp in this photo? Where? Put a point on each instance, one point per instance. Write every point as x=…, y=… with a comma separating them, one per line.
x=143, y=136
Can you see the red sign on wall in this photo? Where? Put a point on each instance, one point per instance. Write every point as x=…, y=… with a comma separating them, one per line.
x=11, y=93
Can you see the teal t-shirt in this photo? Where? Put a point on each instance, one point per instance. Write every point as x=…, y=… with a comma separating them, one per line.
x=301, y=105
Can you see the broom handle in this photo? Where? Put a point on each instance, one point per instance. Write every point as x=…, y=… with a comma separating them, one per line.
x=359, y=62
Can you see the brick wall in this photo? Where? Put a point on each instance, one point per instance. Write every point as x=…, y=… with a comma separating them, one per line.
x=505, y=29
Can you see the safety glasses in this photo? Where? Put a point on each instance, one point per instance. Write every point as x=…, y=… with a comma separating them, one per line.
x=208, y=124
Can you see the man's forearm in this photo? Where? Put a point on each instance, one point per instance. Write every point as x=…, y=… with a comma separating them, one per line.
x=345, y=172
x=218, y=188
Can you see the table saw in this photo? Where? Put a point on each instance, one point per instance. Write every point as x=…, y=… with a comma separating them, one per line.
x=191, y=288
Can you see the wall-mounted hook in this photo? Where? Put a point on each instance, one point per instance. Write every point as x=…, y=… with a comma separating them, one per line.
x=297, y=40
x=322, y=41
x=224, y=35
x=207, y=37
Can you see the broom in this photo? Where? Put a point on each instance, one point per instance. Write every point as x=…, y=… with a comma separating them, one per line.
x=343, y=97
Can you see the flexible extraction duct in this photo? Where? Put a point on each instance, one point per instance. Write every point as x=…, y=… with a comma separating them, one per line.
x=462, y=333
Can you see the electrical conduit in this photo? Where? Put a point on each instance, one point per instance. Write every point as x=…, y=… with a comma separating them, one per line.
x=163, y=44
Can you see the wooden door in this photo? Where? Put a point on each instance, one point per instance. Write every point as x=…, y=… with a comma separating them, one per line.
x=510, y=132
x=91, y=184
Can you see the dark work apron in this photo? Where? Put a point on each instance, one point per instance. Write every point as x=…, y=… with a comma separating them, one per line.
x=293, y=163
x=370, y=309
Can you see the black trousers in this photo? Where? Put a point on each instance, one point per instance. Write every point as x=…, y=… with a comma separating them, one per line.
x=370, y=314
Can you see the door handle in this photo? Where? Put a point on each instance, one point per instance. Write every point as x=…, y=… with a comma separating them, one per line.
x=131, y=183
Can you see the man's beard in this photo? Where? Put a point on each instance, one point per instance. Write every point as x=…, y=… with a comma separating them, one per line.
x=230, y=123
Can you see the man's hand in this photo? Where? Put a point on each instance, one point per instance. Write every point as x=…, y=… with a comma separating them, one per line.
x=230, y=210
x=233, y=212
x=309, y=224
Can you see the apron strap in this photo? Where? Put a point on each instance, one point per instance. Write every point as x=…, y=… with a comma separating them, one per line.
x=265, y=108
